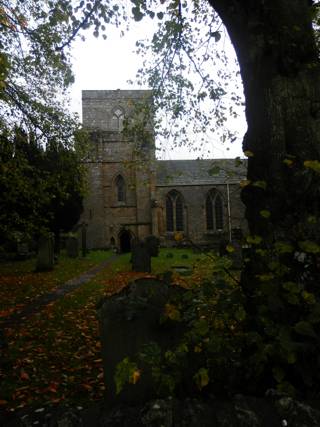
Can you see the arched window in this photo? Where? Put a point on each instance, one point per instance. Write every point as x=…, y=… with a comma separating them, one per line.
x=117, y=118
x=120, y=189
x=214, y=211
x=174, y=211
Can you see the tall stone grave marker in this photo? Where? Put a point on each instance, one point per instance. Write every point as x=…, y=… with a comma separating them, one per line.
x=45, y=258
x=72, y=247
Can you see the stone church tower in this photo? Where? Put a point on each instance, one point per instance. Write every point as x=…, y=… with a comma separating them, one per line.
x=118, y=206
x=132, y=194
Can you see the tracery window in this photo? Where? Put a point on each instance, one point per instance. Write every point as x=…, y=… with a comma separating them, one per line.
x=117, y=118
x=174, y=211
x=214, y=211
x=120, y=189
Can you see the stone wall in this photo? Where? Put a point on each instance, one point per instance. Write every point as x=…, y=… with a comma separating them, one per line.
x=194, y=197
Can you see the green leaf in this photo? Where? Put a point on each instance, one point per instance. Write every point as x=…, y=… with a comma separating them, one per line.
x=248, y=153
x=283, y=247
x=305, y=328
x=309, y=246
x=254, y=240
x=291, y=287
x=201, y=378
x=201, y=327
x=125, y=373
x=313, y=165
x=260, y=184
x=137, y=14
x=265, y=214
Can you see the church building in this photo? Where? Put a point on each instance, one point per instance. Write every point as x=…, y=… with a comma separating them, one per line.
x=132, y=194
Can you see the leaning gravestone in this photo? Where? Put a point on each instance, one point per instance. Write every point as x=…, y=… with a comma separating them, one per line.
x=128, y=320
x=45, y=258
x=72, y=247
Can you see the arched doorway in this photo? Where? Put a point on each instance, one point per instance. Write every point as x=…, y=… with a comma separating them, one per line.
x=125, y=241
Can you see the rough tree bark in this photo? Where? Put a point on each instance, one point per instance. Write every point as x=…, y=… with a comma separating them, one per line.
x=280, y=69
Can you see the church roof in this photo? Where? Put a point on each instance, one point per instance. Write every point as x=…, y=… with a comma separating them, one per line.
x=200, y=172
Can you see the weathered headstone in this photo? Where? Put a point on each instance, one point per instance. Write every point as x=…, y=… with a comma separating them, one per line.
x=45, y=258
x=140, y=256
x=128, y=320
x=72, y=247
x=22, y=250
x=236, y=256
x=84, y=239
x=152, y=243
x=142, y=251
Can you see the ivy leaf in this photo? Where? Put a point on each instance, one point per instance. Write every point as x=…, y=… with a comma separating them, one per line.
x=201, y=378
x=137, y=14
x=313, y=165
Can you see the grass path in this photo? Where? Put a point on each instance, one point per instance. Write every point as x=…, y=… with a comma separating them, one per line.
x=20, y=285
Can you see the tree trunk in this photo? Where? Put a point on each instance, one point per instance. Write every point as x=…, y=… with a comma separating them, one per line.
x=280, y=69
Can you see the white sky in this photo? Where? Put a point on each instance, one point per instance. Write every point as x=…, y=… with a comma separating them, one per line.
x=109, y=64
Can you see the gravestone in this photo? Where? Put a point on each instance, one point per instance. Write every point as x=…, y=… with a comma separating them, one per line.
x=142, y=251
x=140, y=256
x=45, y=258
x=72, y=247
x=152, y=243
x=84, y=239
x=236, y=256
x=128, y=320
x=22, y=250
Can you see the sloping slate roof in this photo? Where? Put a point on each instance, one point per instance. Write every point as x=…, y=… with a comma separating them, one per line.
x=199, y=172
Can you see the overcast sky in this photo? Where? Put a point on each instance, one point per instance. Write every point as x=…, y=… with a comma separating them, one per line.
x=109, y=64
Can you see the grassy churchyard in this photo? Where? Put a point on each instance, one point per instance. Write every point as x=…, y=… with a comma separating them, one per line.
x=54, y=356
